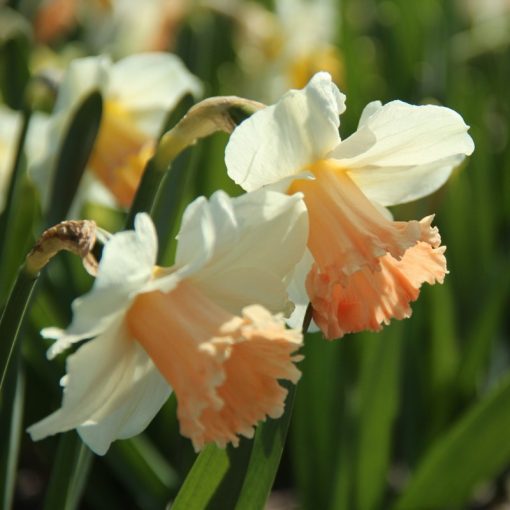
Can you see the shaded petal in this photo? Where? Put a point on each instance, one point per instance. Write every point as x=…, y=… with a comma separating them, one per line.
x=151, y=84
x=264, y=233
x=379, y=184
x=107, y=388
x=201, y=228
x=282, y=140
x=369, y=298
x=233, y=288
x=403, y=135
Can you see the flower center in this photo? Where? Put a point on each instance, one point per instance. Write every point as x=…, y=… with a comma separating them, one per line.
x=120, y=153
x=347, y=232
x=224, y=369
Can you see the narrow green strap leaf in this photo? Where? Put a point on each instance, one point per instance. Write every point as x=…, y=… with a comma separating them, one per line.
x=15, y=178
x=69, y=473
x=144, y=472
x=475, y=449
x=73, y=156
x=478, y=345
x=265, y=458
x=379, y=402
x=11, y=423
x=146, y=192
x=13, y=318
x=14, y=57
x=215, y=478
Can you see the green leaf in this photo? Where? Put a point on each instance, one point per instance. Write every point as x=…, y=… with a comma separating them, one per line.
x=19, y=236
x=12, y=319
x=153, y=177
x=215, y=479
x=73, y=156
x=11, y=425
x=145, y=474
x=379, y=395
x=265, y=458
x=69, y=473
x=18, y=217
x=484, y=327
x=475, y=449
x=237, y=478
x=14, y=57
x=320, y=419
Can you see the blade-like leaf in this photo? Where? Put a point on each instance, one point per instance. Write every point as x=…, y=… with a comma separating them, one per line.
x=264, y=459
x=379, y=392
x=14, y=57
x=11, y=422
x=215, y=478
x=13, y=318
x=69, y=473
x=474, y=450
x=73, y=156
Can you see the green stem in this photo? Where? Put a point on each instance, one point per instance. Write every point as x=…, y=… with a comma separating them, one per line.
x=11, y=423
x=15, y=179
x=147, y=191
x=13, y=318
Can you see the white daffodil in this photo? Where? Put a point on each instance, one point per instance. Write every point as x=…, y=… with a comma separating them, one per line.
x=367, y=268
x=203, y=328
x=138, y=93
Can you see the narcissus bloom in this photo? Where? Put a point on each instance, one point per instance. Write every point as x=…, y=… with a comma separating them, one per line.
x=138, y=93
x=203, y=328
x=367, y=268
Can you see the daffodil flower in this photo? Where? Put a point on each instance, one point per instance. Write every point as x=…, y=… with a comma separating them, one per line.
x=367, y=268
x=203, y=328
x=138, y=93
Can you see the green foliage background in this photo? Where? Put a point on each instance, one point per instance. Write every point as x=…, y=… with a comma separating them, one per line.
x=414, y=417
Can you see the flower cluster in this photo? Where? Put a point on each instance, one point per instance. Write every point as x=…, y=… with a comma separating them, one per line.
x=311, y=229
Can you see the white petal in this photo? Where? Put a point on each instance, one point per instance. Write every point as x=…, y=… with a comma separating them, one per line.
x=391, y=185
x=403, y=134
x=235, y=288
x=196, y=236
x=282, y=140
x=368, y=111
x=107, y=388
x=269, y=236
x=426, y=142
x=126, y=266
x=151, y=84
